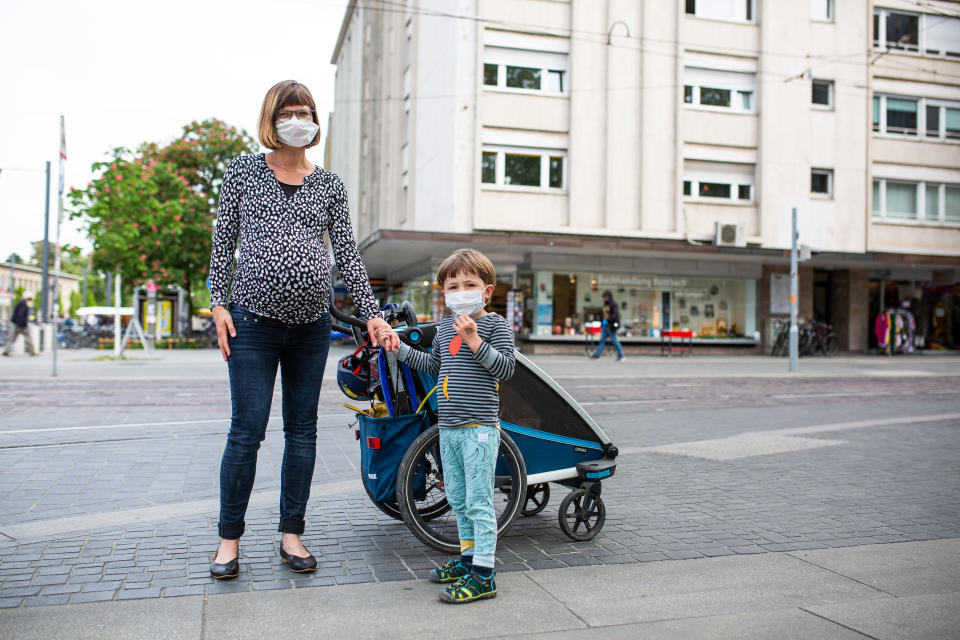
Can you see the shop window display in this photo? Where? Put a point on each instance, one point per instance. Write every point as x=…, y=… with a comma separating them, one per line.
x=710, y=307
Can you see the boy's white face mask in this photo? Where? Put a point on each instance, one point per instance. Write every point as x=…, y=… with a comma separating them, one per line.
x=465, y=303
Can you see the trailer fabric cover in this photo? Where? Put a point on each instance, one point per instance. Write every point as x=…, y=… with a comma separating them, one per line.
x=379, y=466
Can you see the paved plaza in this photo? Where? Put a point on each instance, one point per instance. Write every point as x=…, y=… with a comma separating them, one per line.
x=108, y=492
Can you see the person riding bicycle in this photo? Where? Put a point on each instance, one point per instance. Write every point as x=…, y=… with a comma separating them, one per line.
x=468, y=407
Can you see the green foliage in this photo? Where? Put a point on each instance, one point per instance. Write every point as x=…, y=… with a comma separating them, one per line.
x=201, y=155
x=75, y=302
x=149, y=214
x=72, y=259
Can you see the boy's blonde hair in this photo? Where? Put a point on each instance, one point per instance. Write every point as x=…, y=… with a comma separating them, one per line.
x=468, y=261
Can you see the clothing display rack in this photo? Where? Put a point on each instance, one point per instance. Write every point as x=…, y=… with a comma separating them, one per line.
x=895, y=330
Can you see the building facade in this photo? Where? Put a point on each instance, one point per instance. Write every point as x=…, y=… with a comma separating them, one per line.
x=656, y=150
x=30, y=281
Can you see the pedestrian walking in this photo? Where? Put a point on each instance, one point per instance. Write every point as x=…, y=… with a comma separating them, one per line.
x=21, y=326
x=609, y=326
x=276, y=313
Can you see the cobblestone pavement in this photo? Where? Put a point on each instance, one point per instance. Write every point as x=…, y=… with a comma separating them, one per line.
x=109, y=491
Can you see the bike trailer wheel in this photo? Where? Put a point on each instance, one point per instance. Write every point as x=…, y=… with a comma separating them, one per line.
x=581, y=515
x=419, y=501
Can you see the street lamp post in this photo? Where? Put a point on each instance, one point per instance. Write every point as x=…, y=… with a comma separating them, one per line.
x=13, y=262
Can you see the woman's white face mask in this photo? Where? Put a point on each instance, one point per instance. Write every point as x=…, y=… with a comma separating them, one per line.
x=296, y=133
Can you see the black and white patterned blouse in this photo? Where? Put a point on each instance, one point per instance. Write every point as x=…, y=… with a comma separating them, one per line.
x=283, y=271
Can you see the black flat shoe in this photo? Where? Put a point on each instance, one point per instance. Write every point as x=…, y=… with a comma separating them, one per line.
x=298, y=564
x=226, y=570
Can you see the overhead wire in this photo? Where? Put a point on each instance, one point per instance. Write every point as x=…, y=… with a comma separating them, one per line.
x=634, y=43
x=586, y=35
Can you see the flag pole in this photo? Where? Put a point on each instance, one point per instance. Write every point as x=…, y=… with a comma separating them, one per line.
x=56, y=263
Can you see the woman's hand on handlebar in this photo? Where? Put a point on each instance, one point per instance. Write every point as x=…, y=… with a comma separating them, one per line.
x=225, y=330
x=382, y=334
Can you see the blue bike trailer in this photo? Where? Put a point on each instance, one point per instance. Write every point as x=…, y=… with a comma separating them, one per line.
x=554, y=433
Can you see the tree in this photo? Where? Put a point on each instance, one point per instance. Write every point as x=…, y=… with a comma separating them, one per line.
x=144, y=221
x=150, y=214
x=75, y=302
x=202, y=153
x=72, y=259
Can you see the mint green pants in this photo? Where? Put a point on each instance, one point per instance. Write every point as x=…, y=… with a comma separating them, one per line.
x=469, y=456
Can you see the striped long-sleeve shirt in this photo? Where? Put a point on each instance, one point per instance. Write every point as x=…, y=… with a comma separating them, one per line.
x=467, y=389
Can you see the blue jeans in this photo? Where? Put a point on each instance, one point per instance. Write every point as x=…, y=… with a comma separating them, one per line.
x=608, y=332
x=469, y=457
x=301, y=352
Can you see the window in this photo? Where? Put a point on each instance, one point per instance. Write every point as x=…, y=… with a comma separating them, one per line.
x=720, y=90
x=821, y=182
x=952, y=122
x=490, y=74
x=822, y=93
x=525, y=70
x=821, y=10
x=901, y=116
x=896, y=30
x=523, y=78
x=933, y=121
x=730, y=10
x=521, y=170
x=489, y=168
x=718, y=181
x=714, y=190
x=928, y=202
x=507, y=166
x=556, y=172
x=923, y=117
x=951, y=209
x=555, y=80
x=923, y=33
x=715, y=97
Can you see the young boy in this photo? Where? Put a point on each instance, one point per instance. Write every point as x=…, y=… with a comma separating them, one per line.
x=471, y=351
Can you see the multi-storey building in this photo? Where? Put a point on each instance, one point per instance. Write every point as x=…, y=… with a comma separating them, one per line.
x=656, y=149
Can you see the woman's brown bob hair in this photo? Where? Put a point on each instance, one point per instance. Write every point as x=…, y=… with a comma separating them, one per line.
x=283, y=94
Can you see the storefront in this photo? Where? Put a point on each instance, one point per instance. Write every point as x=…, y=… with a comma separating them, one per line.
x=714, y=309
x=930, y=308
x=733, y=300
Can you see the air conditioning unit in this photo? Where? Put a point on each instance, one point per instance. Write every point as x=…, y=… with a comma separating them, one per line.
x=729, y=234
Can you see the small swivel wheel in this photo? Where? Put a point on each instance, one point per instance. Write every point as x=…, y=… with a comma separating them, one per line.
x=582, y=514
x=538, y=496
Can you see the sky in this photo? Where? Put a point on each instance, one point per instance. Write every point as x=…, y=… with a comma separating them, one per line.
x=127, y=72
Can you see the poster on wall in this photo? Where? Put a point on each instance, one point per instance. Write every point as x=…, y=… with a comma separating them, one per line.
x=780, y=293
x=544, y=319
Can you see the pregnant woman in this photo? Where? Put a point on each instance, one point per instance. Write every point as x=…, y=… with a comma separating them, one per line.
x=275, y=314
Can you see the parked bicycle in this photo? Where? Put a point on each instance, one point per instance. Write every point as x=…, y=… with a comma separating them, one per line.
x=206, y=336
x=814, y=338
x=818, y=338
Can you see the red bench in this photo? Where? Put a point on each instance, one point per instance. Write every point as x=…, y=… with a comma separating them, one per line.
x=684, y=342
